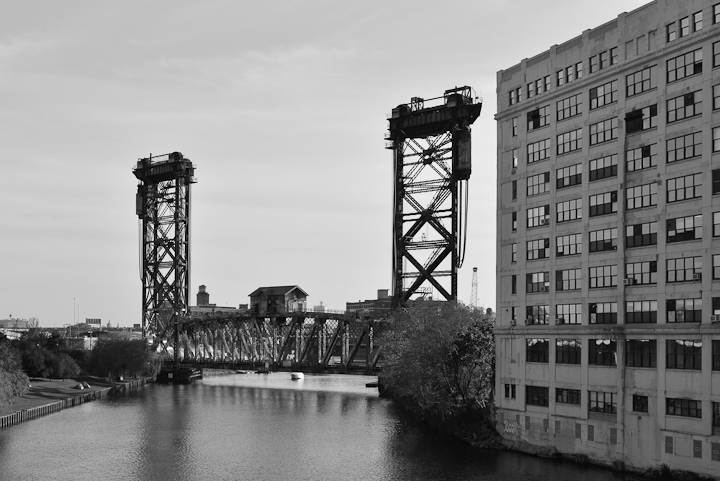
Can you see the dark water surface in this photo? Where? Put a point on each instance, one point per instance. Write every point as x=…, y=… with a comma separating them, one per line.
x=257, y=427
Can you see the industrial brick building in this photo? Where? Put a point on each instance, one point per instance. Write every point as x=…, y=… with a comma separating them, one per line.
x=608, y=298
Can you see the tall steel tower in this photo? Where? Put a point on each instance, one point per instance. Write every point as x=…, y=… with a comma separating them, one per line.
x=163, y=206
x=473, y=292
x=430, y=140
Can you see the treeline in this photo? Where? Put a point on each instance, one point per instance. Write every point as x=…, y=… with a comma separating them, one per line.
x=439, y=363
x=42, y=354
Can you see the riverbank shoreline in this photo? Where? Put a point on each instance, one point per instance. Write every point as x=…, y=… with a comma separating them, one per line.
x=47, y=396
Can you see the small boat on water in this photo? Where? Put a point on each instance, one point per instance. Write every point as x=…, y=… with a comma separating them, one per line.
x=296, y=376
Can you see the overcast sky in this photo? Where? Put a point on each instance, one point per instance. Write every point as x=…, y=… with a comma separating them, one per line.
x=281, y=105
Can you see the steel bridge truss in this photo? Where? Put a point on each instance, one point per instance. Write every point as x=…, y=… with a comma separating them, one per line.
x=163, y=208
x=297, y=341
x=431, y=150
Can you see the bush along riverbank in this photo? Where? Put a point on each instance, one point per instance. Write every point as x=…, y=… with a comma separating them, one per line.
x=439, y=364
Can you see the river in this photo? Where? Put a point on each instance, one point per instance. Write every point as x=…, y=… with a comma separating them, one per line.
x=257, y=427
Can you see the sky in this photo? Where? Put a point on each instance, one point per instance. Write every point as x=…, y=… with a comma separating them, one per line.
x=281, y=105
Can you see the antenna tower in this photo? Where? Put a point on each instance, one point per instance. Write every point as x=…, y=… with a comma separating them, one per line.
x=473, y=293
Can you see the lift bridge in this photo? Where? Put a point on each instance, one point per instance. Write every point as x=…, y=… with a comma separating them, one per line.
x=430, y=139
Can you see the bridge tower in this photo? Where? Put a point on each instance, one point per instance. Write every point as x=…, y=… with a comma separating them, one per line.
x=163, y=207
x=430, y=140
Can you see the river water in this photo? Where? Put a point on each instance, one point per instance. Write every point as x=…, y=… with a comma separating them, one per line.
x=257, y=427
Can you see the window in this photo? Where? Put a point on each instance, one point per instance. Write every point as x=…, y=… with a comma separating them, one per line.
x=684, y=269
x=641, y=196
x=568, y=280
x=514, y=221
x=684, y=65
x=538, y=216
x=716, y=97
x=716, y=224
x=603, y=240
x=569, y=176
x=640, y=403
x=716, y=54
x=641, y=353
x=538, y=249
x=684, y=228
x=578, y=70
x=514, y=126
x=567, y=396
x=568, y=245
x=538, y=118
x=684, y=26
x=569, y=107
x=538, y=184
x=716, y=354
x=568, y=351
x=514, y=158
x=546, y=81
x=684, y=147
x=510, y=392
x=569, y=141
x=602, y=204
x=641, y=119
x=603, y=313
x=512, y=97
x=569, y=210
x=513, y=287
x=537, y=282
x=537, y=314
x=716, y=13
x=603, y=167
x=536, y=396
x=684, y=106
x=684, y=188
x=640, y=312
x=603, y=276
x=602, y=402
x=697, y=21
x=639, y=235
x=513, y=185
x=684, y=310
x=603, y=95
x=603, y=131
x=560, y=77
x=538, y=151
x=594, y=63
x=513, y=253
x=671, y=32
x=640, y=81
x=641, y=158
x=531, y=90
x=602, y=352
x=640, y=273
x=537, y=350
x=569, y=314
x=716, y=266
x=684, y=407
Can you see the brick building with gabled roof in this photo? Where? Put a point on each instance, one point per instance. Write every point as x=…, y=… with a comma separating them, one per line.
x=278, y=299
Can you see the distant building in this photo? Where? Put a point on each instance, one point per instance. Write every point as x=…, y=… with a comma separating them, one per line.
x=14, y=323
x=379, y=307
x=279, y=299
x=204, y=307
x=203, y=297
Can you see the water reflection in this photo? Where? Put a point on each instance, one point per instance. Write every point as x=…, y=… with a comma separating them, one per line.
x=255, y=427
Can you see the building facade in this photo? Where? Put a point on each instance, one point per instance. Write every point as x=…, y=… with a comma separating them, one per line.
x=375, y=308
x=608, y=297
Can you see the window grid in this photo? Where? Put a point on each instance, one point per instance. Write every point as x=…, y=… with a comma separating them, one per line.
x=538, y=216
x=537, y=282
x=569, y=176
x=641, y=196
x=684, y=310
x=538, y=249
x=684, y=407
x=639, y=235
x=568, y=280
x=716, y=54
x=602, y=352
x=684, y=106
x=602, y=204
x=716, y=224
x=569, y=210
x=538, y=184
x=567, y=396
x=683, y=354
x=716, y=266
x=537, y=151
x=603, y=276
x=640, y=312
x=603, y=131
x=640, y=403
x=641, y=158
x=642, y=119
x=603, y=313
x=684, y=65
x=684, y=228
x=569, y=141
x=640, y=273
x=684, y=269
x=569, y=313
x=513, y=253
x=602, y=402
x=537, y=314
x=640, y=81
x=716, y=139
x=603, y=167
x=537, y=350
x=568, y=245
x=537, y=395
x=716, y=356
x=568, y=351
x=538, y=118
x=569, y=107
x=684, y=147
x=716, y=97
x=603, y=240
x=684, y=188
x=641, y=353
x=603, y=95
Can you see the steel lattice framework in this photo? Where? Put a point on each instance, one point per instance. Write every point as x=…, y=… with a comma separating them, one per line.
x=431, y=153
x=163, y=207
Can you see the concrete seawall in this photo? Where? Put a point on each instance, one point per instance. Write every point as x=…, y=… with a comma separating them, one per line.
x=49, y=408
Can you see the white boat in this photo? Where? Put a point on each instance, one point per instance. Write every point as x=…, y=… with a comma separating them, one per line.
x=296, y=375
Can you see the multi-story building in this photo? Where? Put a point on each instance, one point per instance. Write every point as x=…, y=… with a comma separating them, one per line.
x=608, y=299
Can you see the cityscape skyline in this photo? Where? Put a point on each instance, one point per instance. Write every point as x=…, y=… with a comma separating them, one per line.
x=284, y=120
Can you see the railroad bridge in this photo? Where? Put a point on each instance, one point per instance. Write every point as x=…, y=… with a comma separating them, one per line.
x=317, y=341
